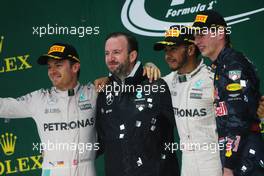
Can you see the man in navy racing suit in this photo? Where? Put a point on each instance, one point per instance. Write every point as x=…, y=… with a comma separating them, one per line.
x=236, y=97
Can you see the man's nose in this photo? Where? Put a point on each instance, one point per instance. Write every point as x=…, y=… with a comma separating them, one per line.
x=111, y=57
x=51, y=70
x=167, y=55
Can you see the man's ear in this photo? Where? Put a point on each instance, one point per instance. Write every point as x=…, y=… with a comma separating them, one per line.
x=220, y=33
x=221, y=36
x=76, y=67
x=191, y=50
x=133, y=56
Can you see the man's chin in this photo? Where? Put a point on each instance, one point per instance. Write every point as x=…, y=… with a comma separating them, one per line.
x=55, y=83
x=204, y=54
x=173, y=68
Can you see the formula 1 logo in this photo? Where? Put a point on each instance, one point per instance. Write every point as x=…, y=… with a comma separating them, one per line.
x=137, y=20
x=177, y=2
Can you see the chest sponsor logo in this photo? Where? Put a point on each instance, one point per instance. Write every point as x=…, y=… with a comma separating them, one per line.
x=233, y=87
x=234, y=74
x=52, y=100
x=196, y=95
x=190, y=112
x=198, y=84
x=52, y=110
x=233, y=95
x=137, y=17
x=61, y=126
x=139, y=94
x=82, y=97
x=83, y=102
x=85, y=106
x=221, y=110
x=109, y=98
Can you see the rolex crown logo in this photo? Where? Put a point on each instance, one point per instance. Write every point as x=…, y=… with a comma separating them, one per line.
x=8, y=142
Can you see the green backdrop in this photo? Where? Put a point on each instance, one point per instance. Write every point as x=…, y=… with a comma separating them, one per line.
x=22, y=28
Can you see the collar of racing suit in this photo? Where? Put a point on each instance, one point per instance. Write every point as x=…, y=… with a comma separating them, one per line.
x=134, y=78
x=186, y=77
x=220, y=57
x=66, y=93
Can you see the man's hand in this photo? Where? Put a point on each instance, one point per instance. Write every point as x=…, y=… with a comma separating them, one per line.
x=228, y=172
x=100, y=83
x=260, y=110
x=151, y=71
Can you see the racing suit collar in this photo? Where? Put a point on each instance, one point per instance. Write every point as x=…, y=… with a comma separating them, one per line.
x=135, y=77
x=66, y=93
x=221, y=56
x=186, y=77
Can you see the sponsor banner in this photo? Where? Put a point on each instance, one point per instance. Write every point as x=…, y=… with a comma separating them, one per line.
x=138, y=17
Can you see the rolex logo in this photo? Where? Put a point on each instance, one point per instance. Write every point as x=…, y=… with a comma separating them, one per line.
x=8, y=142
x=15, y=63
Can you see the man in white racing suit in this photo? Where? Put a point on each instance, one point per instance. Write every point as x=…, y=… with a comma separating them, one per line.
x=191, y=86
x=64, y=114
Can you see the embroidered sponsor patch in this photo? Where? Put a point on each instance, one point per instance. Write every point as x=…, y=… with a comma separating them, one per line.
x=233, y=95
x=196, y=95
x=56, y=48
x=221, y=110
x=85, y=106
x=139, y=94
x=233, y=87
x=109, y=99
x=82, y=97
x=52, y=110
x=198, y=84
x=172, y=33
x=243, y=83
x=201, y=18
x=234, y=74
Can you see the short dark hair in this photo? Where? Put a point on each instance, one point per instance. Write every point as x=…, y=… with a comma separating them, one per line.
x=131, y=40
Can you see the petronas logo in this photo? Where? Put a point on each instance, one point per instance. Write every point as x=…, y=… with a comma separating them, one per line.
x=8, y=142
